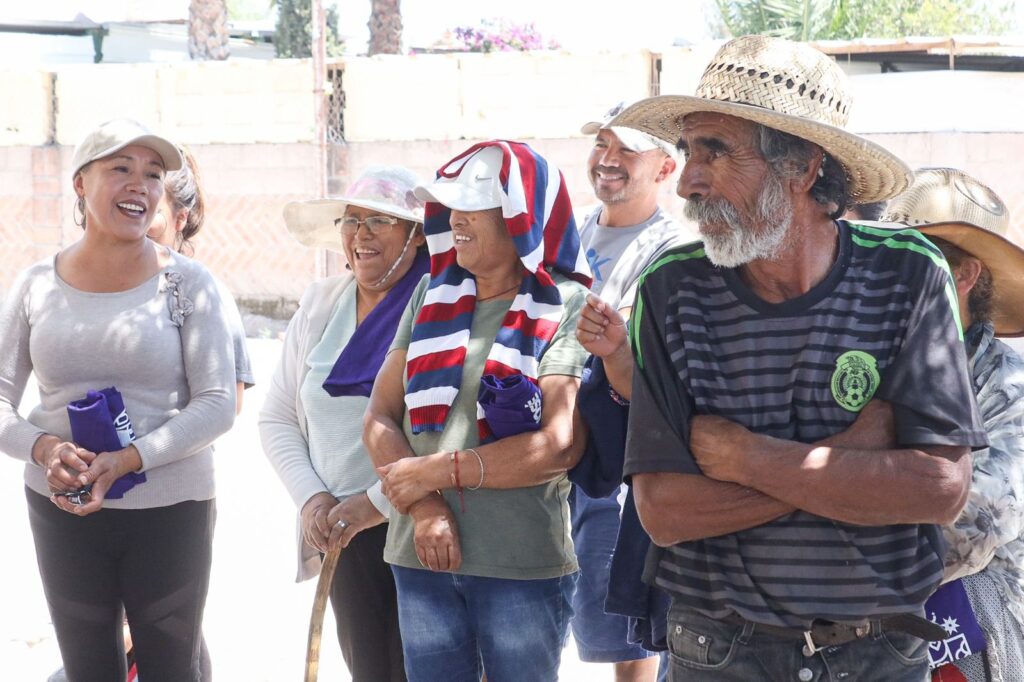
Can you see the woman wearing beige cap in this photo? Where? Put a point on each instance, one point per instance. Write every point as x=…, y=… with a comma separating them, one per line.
x=312, y=421
x=123, y=529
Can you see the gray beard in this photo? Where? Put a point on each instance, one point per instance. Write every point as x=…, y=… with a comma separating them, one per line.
x=741, y=242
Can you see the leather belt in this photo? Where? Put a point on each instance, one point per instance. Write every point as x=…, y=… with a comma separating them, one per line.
x=825, y=633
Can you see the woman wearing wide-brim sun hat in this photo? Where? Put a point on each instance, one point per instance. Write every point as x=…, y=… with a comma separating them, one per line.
x=790, y=87
x=968, y=222
x=115, y=309
x=312, y=421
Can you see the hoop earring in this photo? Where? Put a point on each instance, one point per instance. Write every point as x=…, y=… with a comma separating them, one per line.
x=79, y=209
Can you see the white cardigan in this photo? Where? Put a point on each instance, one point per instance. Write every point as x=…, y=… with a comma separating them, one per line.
x=282, y=422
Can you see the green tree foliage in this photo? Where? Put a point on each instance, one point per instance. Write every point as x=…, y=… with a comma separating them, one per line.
x=849, y=19
x=293, y=33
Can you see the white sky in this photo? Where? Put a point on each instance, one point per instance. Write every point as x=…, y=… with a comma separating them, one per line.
x=575, y=24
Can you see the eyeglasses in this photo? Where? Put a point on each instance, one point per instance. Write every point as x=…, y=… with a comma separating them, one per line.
x=376, y=224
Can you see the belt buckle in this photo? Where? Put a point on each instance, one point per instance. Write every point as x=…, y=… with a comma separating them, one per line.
x=810, y=648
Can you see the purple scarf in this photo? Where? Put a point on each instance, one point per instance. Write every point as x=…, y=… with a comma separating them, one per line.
x=950, y=608
x=361, y=359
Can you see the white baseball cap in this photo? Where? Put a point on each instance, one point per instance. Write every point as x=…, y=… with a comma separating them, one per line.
x=117, y=134
x=472, y=183
x=630, y=138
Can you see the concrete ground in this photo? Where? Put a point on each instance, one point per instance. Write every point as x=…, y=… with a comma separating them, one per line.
x=256, y=616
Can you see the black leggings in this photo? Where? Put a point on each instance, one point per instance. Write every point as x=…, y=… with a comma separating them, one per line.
x=366, y=610
x=152, y=563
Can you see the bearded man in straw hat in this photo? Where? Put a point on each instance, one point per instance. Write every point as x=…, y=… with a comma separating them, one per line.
x=802, y=414
x=985, y=547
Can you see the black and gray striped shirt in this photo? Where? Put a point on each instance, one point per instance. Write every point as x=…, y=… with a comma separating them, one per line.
x=882, y=323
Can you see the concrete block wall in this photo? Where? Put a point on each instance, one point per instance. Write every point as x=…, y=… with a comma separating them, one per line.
x=194, y=102
x=250, y=126
x=479, y=96
x=27, y=107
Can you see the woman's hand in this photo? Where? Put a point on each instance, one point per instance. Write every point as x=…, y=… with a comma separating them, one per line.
x=315, y=528
x=62, y=461
x=436, y=535
x=103, y=470
x=351, y=516
x=410, y=479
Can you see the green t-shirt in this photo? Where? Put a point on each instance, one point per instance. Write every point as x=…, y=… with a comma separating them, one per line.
x=519, y=533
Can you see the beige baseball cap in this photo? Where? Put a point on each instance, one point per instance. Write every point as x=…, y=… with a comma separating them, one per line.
x=117, y=134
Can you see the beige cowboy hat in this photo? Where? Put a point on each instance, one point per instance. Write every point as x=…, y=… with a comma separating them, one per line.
x=951, y=205
x=787, y=86
x=386, y=189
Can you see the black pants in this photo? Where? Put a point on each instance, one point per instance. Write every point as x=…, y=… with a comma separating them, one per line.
x=366, y=610
x=151, y=564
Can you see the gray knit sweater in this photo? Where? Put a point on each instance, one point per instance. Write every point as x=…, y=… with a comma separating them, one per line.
x=164, y=345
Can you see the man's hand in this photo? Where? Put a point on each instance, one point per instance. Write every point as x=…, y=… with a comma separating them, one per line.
x=436, y=535
x=601, y=330
x=316, y=529
x=874, y=429
x=719, y=446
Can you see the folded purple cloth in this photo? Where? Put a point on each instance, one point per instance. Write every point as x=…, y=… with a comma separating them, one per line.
x=951, y=608
x=511, y=405
x=100, y=423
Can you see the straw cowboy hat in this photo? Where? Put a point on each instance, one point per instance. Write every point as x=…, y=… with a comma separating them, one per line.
x=787, y=86
x=951, y=205
x=386, y=189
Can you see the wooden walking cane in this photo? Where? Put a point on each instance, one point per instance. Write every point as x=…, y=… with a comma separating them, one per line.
x=316, y=618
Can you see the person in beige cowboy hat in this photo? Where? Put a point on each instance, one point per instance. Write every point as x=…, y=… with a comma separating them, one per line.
x=968, y=222
x=801, y=413
x=312, y=421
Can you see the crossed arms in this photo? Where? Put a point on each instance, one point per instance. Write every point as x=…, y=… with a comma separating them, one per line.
x=857, y=476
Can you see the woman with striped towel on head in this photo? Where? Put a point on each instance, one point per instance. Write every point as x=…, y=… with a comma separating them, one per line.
x=470, y=422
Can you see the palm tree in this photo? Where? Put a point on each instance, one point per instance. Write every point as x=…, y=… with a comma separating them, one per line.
x=208, y=29
x=793, y=19
x=385, y=27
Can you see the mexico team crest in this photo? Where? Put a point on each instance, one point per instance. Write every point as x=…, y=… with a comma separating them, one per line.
x=855, y=380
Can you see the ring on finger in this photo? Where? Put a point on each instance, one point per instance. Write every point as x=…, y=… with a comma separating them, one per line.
x=341, y=524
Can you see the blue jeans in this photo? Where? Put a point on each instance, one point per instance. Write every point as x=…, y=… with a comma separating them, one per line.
x=702, y=648
x=454, y=627
x=600, y=637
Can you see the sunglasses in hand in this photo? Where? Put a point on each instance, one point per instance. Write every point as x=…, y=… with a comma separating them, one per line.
x=76, y=496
